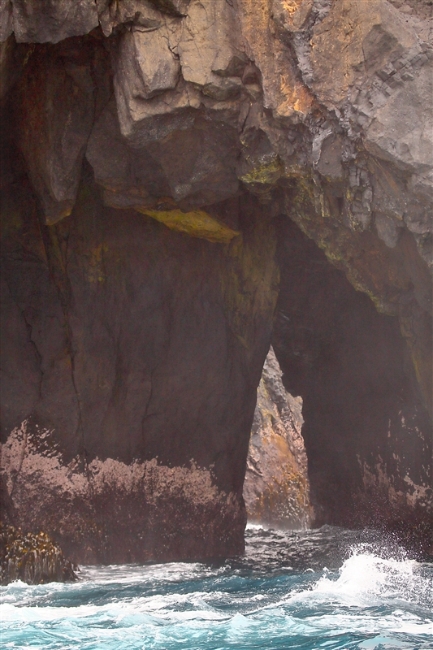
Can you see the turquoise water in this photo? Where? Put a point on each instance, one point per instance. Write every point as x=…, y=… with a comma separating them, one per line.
x=314, y=589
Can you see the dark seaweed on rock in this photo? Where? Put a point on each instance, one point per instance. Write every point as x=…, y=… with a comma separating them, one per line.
x=31, y=557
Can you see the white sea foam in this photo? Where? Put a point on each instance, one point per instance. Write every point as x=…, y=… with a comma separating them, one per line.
x=371, y=601
x=366, y=579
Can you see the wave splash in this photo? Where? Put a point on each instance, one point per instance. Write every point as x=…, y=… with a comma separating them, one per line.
x=366, y=578
x=306, y=589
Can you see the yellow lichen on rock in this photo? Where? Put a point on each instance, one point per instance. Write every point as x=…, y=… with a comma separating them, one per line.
x=267, y=172
x=196, y=223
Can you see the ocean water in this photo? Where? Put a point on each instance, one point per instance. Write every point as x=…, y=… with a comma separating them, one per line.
x=329, y=588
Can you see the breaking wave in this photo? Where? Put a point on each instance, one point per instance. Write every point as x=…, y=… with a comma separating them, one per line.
x=309, y=589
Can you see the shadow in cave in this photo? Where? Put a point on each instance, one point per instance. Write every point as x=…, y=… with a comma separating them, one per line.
x=366, y=429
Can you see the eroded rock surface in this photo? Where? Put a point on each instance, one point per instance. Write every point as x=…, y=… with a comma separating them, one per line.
x=146, y=148
x=276, y=488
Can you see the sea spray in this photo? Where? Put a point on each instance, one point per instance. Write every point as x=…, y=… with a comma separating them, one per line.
x=328, y=588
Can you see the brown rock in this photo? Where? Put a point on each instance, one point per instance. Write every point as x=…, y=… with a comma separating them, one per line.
x=276, y=489
x=367, y=434
x=52, y=21
x=53, y=134
x=6, y=20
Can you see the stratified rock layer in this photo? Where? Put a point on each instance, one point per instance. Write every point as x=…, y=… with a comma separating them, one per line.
x=276, y=488
x=146, y=147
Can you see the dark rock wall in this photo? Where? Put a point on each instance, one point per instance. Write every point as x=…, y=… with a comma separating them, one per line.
x=129, y=341
x=365, y=428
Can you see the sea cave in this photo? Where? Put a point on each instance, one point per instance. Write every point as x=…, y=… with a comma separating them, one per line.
x=215, y=229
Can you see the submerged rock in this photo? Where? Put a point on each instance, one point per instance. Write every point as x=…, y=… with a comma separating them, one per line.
x=31, y=557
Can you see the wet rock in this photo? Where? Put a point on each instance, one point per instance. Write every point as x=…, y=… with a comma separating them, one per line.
x=32, y=558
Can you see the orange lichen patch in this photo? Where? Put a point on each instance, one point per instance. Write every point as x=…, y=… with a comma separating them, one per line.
x=298, y=98
x=291, y=6
x=283, y=501
x=196, y=223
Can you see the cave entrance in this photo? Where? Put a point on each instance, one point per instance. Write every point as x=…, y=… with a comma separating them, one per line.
x=364, y=418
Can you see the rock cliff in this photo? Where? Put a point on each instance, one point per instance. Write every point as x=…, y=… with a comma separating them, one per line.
x=153, y=153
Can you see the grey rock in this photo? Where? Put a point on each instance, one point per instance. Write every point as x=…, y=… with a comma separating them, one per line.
x=330, y=161
x=143, y=119
x=422, y=184
x=388, y=229
x=6, y=20
x=128, y=12
x=42, y=21
x=402, y=130
x=368, y=40
x=208, y=48
x=146, y=66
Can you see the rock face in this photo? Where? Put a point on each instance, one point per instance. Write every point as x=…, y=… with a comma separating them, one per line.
x=146, y=149
x=276, y=489
x=365, y=423
x=139, y=349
